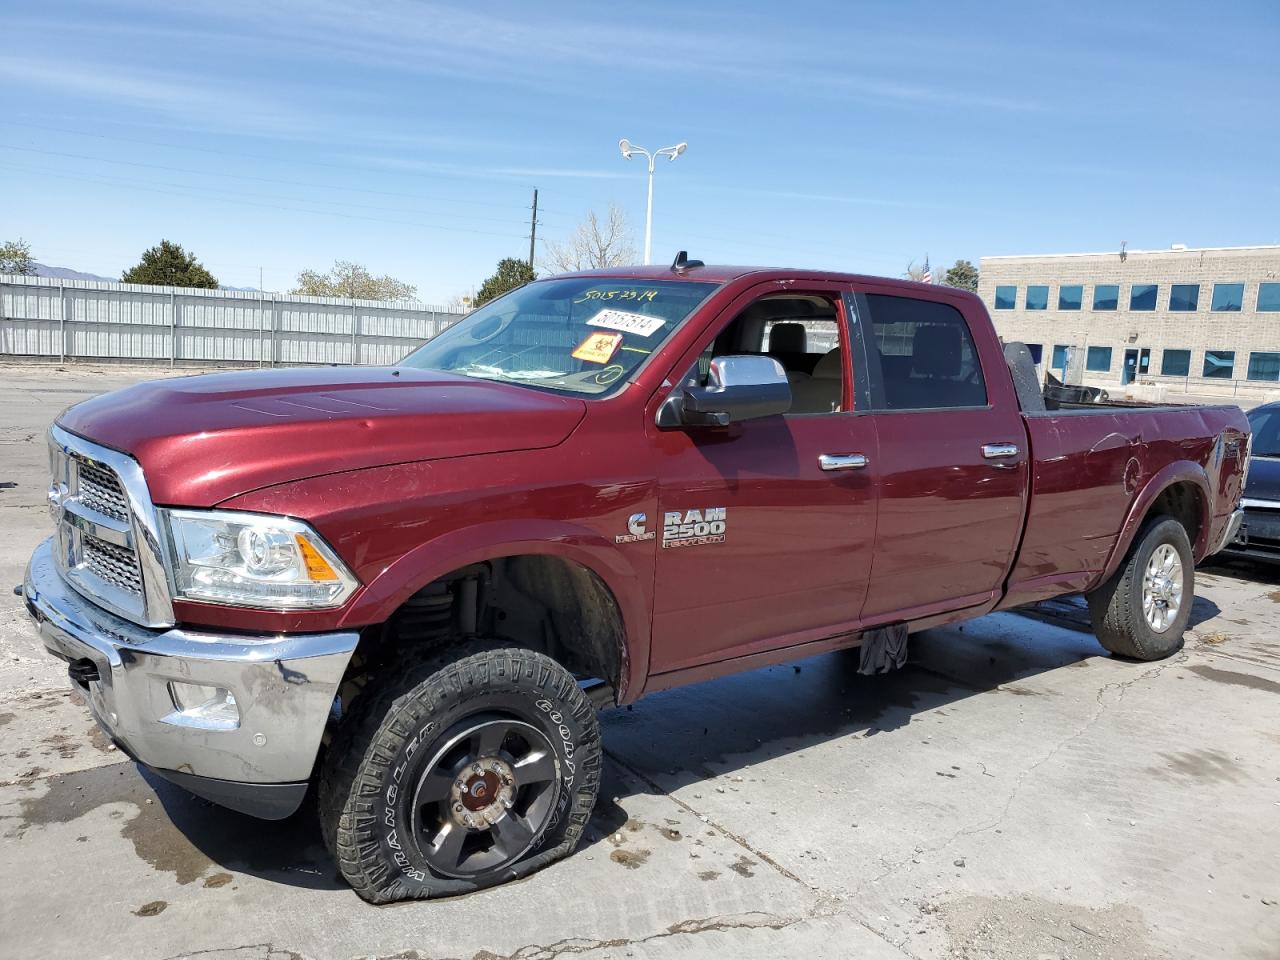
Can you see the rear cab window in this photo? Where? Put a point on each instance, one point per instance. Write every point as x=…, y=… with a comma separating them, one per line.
x=926, y=355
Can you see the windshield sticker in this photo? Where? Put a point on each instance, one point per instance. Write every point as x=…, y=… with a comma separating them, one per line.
x=598, y=347
x=637, y=323
x=634, y=296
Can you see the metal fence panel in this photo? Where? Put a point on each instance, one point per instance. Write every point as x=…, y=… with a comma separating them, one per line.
x=47, y=317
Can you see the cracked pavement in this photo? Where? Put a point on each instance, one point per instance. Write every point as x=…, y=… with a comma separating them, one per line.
x=1012, y=793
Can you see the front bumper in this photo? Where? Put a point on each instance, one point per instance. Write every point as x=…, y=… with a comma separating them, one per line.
x=1259, y=534
x=284, y=687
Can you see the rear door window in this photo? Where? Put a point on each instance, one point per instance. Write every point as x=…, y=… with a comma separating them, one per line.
x=926, y=355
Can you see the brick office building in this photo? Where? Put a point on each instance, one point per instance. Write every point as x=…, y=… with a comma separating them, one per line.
x=1198, y=321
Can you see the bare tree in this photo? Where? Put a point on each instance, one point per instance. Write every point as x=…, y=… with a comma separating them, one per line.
x=596, y=243
x=914, y=271
x=352, y=280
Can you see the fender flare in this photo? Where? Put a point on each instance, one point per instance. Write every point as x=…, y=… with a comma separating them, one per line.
x=1180, y=471
x=429, y=561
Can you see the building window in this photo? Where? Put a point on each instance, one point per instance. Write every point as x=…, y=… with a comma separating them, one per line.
x=1059, y=361
x=1006, y=298
x=1098, y=359
x=1037, y=297
x=1219, y=364
x=1069, y=297
x=1175, y=363
x=1037, y=352
x=1228, y=297
x=1184, y=296
x=1142, y=296
x=1264, y=366
x=1268, y=297
x=1106, y=296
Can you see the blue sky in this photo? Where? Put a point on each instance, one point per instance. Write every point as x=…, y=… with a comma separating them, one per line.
x=409, y=135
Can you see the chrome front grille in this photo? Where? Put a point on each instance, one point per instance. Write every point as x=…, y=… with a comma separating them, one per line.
x=113, y=564
x=106, y=532
x=99, y=489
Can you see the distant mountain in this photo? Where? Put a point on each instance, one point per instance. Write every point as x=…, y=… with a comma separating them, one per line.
x=66, y=273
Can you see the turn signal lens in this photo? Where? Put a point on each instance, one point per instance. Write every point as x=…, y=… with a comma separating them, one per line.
x=317, y=567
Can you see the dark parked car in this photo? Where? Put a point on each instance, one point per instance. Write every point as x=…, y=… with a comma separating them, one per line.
x=1259, y=535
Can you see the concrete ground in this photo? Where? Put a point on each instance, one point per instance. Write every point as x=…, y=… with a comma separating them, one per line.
x=1012, y=793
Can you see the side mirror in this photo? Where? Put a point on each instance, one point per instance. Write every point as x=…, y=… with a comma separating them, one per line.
x=743, y=387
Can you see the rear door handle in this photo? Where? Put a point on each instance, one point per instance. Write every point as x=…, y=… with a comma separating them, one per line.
x=999, y=451
x=841, y=461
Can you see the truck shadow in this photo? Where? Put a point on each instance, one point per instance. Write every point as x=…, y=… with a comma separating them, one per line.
x=1243, y=568
x=688, y=735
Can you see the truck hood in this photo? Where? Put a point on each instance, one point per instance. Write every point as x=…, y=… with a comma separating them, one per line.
x=204, y=439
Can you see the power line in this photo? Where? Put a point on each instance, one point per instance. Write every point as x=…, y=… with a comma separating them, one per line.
x=341, y=203
x=136, y=185
x=258, y=156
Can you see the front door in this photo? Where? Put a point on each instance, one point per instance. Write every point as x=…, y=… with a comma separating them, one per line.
x=953, y=460
x=1130, y=370
x=763, y=543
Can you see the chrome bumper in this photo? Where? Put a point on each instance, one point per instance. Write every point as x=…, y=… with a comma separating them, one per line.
x=284, y=687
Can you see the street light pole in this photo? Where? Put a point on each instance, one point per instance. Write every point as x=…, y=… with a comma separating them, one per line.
x=630, y=150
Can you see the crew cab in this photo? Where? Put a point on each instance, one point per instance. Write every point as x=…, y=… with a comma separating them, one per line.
x=417, y=585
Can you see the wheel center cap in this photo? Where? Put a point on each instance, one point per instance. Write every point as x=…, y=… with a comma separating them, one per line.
x=480, y=790
x=482, y=793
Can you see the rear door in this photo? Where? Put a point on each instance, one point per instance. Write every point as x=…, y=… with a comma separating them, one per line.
x=952, y=456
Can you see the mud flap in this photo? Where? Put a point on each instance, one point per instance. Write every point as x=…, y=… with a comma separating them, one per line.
x=883, y=649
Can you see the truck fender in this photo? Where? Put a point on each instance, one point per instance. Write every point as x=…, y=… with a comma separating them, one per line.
x=1180, y=471
x=429, y=561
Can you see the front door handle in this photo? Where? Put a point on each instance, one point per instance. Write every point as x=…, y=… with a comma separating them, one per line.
x=841, y=461
x=999, y=451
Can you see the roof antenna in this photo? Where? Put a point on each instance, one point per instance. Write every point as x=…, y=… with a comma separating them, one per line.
x=1123, y=254
x=683, y=263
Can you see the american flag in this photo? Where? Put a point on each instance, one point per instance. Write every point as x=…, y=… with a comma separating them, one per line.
x=927, y=276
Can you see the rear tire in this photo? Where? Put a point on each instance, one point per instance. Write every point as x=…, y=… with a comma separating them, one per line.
x=1142, y=609
x=460, y=772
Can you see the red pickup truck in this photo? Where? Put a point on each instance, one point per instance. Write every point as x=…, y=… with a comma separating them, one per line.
x=417, y=585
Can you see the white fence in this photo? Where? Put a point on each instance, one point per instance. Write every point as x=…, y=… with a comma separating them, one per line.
x=63, y=319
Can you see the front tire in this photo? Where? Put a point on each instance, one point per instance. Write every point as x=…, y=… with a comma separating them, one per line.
x=1141, y=610
x=458, y=773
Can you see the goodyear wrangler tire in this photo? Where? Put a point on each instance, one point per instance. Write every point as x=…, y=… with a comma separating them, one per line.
x=460, y=774
x=1142, y=609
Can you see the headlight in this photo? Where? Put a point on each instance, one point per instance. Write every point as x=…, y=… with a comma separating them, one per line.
x=252, y=560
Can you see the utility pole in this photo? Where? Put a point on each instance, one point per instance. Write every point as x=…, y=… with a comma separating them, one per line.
x=533, y=227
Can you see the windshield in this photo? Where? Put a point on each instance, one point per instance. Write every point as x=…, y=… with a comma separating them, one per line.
x=579, y=335
x=1265, y=424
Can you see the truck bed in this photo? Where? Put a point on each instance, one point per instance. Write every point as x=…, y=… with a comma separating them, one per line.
x=1096, y=468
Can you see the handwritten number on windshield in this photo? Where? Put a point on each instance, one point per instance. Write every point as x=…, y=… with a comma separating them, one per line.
x=633, y=296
